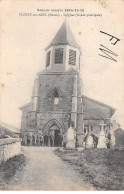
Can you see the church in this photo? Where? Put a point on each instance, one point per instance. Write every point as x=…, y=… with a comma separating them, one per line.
x=58, y=99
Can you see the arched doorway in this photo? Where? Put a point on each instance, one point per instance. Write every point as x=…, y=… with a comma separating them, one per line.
x=55, y=131
x=55, y=128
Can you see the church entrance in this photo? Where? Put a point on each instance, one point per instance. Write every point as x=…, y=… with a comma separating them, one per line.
x=57, y=138
x=54, y=133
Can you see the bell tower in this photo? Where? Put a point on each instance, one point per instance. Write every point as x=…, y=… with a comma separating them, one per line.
x=63, y=52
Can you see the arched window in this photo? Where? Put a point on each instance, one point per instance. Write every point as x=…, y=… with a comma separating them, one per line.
x=55, y=96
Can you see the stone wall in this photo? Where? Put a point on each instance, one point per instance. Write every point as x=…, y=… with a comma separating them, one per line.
x=63, y=83
x=9, y=147
x=44, y=118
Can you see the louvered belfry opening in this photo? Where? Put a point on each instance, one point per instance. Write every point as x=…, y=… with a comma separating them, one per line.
x=72, y=57
x=48, y=59
x=59, y=56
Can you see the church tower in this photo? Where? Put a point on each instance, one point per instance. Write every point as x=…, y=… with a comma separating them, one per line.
x=63, y=52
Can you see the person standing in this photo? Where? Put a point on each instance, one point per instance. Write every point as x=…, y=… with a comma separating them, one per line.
x=46, y=140
x=37, y=140
x=60, y=139
x=64, y=140
x=33, y=140
x=51, y=140
x=41, y=140
x=28, y=139
x=25, y=140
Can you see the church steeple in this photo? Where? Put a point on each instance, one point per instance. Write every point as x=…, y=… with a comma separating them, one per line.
x=64, y=36
x=63, y=52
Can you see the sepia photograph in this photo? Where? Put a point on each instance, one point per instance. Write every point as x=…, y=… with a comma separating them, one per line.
x=61, y=95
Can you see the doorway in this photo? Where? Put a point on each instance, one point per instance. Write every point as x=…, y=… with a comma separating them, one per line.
x=54, y=131
x=56, y=138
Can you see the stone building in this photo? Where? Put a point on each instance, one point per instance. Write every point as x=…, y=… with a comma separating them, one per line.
x=7, y=131
x=57, y=98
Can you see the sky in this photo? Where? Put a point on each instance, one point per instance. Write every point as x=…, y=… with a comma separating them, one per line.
x=24, y=38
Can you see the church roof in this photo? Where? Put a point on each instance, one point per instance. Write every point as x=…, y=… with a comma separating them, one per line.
x=8, y=129
x=64, y=37
x=94, y=109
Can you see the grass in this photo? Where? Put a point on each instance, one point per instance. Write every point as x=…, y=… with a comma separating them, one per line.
x=9, y=168
x=103, y=168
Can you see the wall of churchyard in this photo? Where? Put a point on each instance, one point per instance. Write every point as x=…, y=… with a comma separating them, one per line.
x=9, y=147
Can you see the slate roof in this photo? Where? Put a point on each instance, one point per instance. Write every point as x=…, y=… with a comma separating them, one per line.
x=9, y=130
x=64, y=37
x=96, y=110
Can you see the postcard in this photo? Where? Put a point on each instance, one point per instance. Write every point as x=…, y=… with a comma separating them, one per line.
x=62, y=95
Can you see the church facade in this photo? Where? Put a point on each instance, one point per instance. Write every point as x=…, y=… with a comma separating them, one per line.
x=57, y=98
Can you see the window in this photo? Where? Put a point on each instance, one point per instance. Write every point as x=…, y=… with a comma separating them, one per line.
x=56, y=100
x=55, y=96
x=72, y=57
x=48, y=59
x=59, y=56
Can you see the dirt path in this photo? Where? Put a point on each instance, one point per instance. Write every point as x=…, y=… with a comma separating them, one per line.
x=46, y=171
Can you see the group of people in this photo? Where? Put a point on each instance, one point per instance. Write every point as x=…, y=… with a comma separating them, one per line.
x=53, y=140
x=45, y=140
